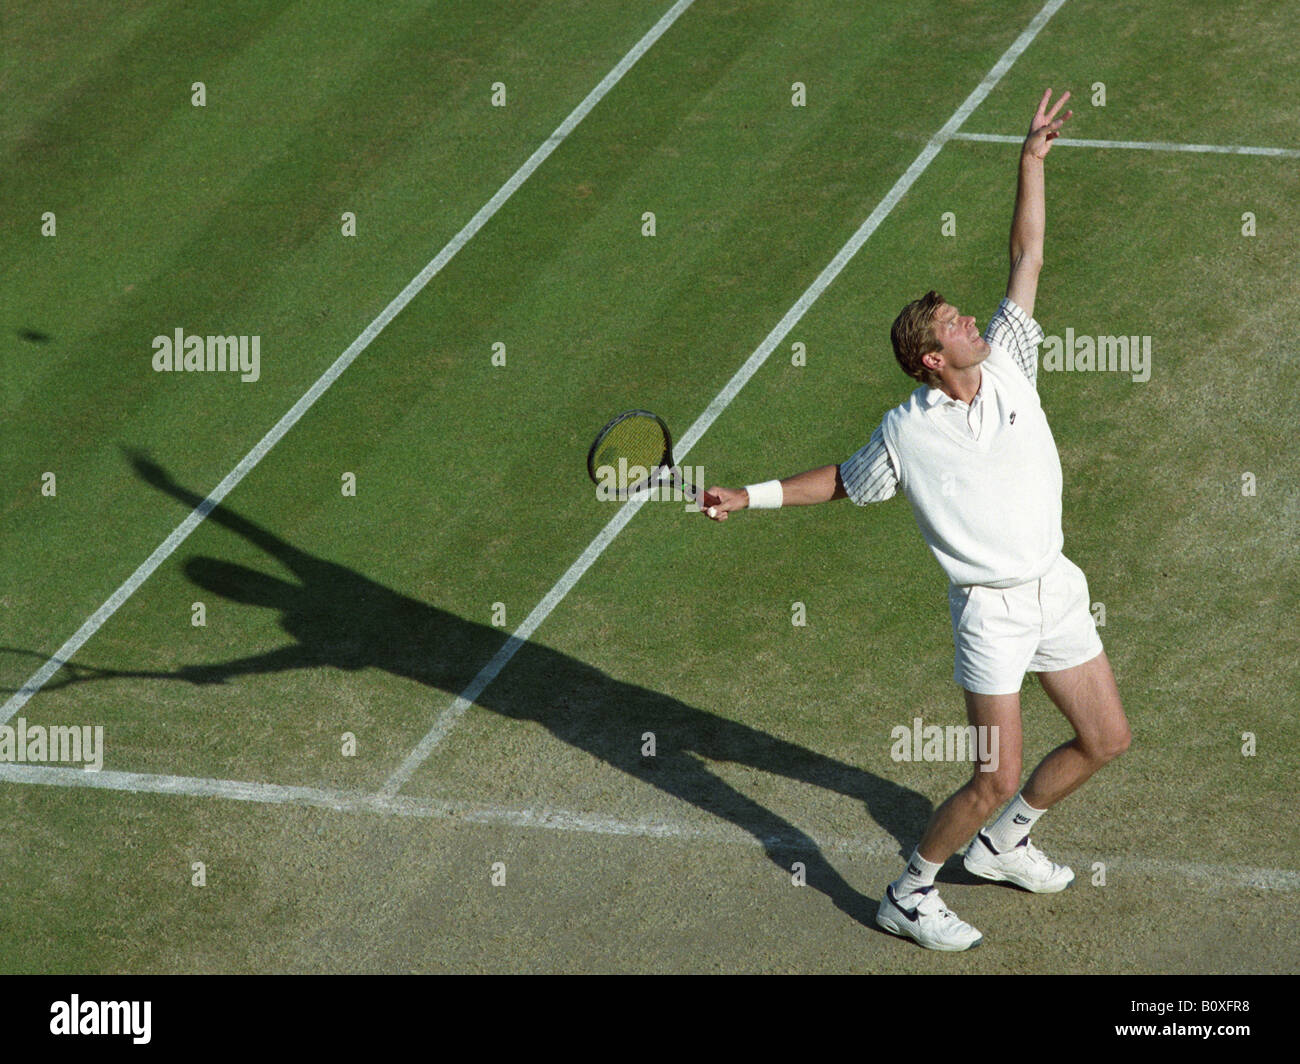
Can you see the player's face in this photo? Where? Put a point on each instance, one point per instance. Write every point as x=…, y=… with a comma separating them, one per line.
x=962, y=344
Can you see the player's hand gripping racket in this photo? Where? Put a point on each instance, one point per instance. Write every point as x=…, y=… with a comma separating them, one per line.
x=634, y=453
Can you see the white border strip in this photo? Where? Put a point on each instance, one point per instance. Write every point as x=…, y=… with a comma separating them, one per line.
x=883, y=846
x=485, y=213
x=1138, y=145
x=721, y=401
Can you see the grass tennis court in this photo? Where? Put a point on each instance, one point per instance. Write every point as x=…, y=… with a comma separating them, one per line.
x=370, y=565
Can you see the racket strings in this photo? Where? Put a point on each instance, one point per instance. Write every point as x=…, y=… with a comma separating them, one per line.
x=634, y=442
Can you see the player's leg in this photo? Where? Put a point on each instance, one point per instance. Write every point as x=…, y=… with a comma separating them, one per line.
x=1089, y=698
x=993, y=781
x=911, y=906
x=1076, y=674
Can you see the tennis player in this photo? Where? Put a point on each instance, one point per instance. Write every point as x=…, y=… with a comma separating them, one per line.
x=972, y=452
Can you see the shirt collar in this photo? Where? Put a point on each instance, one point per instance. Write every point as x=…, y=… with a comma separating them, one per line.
x=933, y=397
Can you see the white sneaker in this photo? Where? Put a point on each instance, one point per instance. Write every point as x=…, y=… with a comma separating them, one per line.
x=1025, y=865
x=931, y=923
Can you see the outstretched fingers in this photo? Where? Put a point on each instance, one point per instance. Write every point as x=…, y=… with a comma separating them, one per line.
x=1059, y=103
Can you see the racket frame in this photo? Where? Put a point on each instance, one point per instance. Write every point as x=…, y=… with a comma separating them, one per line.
x=665, y=467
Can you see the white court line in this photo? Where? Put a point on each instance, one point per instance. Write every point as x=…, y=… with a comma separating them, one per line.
x=485, y=213
x=361, y=802
x=501, y=658
x=720, y=402
x=881, y=846
x=1139, y=145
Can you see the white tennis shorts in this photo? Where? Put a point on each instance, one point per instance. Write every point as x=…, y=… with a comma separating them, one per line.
x=1000, y=633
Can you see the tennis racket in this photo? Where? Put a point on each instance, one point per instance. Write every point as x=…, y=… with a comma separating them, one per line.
x=633, y=454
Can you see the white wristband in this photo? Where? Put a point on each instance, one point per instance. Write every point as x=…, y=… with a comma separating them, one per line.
x=765, y=496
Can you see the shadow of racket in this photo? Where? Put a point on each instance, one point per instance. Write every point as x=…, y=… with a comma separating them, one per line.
x=16, y=660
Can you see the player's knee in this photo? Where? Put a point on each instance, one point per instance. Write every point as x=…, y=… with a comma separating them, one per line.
x=1110, y=744
x=997, y=787
x=1005, y=786
x=1118, y=741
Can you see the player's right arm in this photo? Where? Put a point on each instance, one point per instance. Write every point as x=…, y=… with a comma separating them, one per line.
x=803, y=489
x=869, y=476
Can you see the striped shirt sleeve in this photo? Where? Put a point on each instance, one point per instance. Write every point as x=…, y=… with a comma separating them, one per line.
x=869, y=476
x=1015, y=332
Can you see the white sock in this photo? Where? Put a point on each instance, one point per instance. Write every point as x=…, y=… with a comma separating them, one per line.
x=918, y=875
x=1013, y=825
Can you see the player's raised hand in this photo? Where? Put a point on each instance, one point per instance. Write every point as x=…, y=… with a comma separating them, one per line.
x=716, y=502
x=1045, y=127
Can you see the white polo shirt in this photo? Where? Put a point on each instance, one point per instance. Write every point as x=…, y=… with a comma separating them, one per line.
x=984, y=479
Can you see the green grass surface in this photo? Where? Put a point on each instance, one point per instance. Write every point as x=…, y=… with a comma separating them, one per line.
x=369, y=614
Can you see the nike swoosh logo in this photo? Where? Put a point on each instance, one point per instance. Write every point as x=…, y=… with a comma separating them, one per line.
x=911, y=916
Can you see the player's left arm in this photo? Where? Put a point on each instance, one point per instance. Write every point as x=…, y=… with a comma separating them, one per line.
x=1029, y=220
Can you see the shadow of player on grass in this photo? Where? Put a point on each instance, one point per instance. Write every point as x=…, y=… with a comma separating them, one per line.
x=340, y=618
